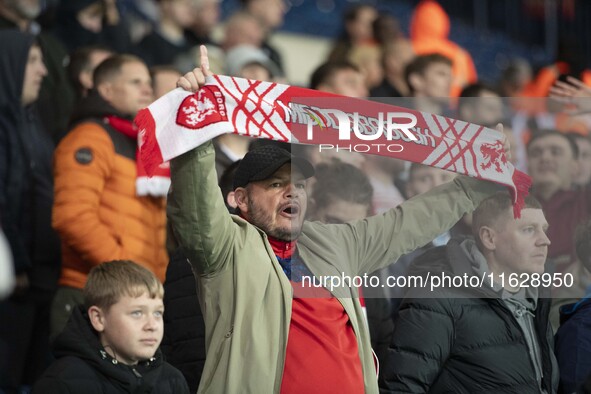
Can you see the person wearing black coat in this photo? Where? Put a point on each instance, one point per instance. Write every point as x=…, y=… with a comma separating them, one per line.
x=26, y=198
x=488, y=339
x=83, y=366
x=184, y=329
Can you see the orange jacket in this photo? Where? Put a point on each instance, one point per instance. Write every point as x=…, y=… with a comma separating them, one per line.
x=96, y=211
x=429, y=30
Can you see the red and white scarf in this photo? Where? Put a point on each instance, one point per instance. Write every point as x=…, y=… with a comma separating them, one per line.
x=180, y=121
x=158, y=183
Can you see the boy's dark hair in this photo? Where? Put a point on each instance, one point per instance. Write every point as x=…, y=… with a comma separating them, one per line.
x=420, y=64
x=80, y=61
x=338, y=180
x=108, y=282
x=548, y=132
x=325, y=72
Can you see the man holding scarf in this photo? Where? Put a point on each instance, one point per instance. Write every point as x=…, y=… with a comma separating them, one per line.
x=265, y=331
x=104, y=209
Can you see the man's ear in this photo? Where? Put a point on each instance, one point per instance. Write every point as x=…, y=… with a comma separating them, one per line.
x=415, y=81
x=96, y=318
x=241, y=199
x=488, y=237
x=105, y=89
x=85, y=79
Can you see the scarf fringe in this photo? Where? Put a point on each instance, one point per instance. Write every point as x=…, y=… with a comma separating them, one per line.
x=151, y=155
x=522, y=184
x=154, y=186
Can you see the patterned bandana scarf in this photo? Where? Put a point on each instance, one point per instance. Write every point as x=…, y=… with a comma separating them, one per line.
x=156, y=185
x=180, y=121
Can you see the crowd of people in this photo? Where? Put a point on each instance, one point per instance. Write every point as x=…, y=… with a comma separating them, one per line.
x=192, y=280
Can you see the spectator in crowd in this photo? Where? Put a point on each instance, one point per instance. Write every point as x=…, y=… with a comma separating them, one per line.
x=264, y=340
x=429, y=31
x=396, y=56
x=514, y=78
x=368, y=59
x=382, y=172
x=492, y=337
x=163, y=79
x=345, y=79
x=552, y=162
x=26, y=197
x=170, y=37
x=97, y=211
x=583, y=176
x=341, y=78
x=269, y=14
x=206, y=16
x=573, y=339
x=386, y=30
x=54, y=113
x=89, y=22
x=250, y=62
x=83, y=61
x=358, y=31
x=242, y=28
x=111, y=343
x=480, y=104
x=429, y=78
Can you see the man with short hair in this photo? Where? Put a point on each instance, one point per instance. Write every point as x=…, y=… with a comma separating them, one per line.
x=429, y=79
x=111, y=344
x=493, y=337
x=552, y=163
x=341, y=78
x=481, y=104
x=260, y=337
x=98, y=211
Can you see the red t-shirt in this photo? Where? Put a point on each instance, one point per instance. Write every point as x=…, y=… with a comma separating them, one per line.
x=322, y=354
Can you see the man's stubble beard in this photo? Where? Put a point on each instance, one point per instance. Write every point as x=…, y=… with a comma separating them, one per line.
x=262, y=220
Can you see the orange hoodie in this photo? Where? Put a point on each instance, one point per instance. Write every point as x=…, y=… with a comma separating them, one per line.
x=429, y=30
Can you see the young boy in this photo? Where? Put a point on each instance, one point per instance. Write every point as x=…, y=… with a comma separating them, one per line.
x=111, y=344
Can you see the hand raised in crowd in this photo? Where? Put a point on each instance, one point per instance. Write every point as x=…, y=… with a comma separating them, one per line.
x=194, y=80
x=574, y=93
x=506, y=142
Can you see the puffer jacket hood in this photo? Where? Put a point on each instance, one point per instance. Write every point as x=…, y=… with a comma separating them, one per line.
x=13, y=60
x=429, y=21
x=79, y=340
x=460, y=256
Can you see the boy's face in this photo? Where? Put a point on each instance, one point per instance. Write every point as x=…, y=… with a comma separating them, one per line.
x=130, y=330
x=435, y=81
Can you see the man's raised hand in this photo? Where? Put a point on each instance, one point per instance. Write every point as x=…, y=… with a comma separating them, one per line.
x=194, y=80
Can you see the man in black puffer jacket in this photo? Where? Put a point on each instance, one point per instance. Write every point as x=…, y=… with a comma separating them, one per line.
x=478, y=339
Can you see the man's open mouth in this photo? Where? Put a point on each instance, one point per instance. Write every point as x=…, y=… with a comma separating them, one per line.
x=290, y=210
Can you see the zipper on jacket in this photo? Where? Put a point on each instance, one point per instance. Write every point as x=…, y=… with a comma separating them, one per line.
x=138, y=376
